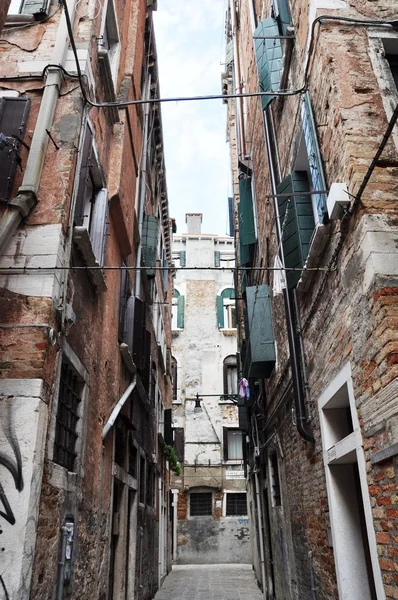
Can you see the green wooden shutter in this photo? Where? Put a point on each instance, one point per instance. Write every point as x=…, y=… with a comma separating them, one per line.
x=247, y=231
x=314, y=156
x=261, y=350
x=220, y=312
x=225, y=442
x=282, y=12
x=149, y=243
x=268, y=58
x=299, y=224
x=228, y=293
x=183, y=258
x=217, y=258
x=180, y=312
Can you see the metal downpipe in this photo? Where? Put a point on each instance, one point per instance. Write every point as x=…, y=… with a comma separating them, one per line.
x=302, y=426
x=26, y=199
x=141, y=203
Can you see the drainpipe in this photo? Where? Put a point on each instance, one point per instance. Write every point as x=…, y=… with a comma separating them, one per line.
x=114, y=414
x=238, y=79
x=260, y=535
x=27, y=196
x=61, y=564
x=141, y=203
x=302, y=425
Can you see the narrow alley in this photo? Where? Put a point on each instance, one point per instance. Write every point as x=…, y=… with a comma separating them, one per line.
x=208, y=582
x=198, y=300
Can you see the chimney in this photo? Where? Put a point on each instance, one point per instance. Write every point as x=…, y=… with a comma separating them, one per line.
x=194, y=222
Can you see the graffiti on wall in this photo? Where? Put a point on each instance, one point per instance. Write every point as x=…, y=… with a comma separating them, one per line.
x=11, y=460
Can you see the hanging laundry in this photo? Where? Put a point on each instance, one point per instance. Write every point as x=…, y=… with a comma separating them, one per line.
x=279, y=277
x=244, y=390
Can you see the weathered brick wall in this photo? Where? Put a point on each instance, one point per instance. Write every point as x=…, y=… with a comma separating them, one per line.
x=3, y=12
x=27, y=352
x=349, y=314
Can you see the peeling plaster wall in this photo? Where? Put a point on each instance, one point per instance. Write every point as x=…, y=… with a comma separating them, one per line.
x=200, y=348
x=206, y=541
x=23, y=422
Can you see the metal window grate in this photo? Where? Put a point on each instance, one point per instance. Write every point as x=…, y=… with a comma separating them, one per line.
x=201, y=504
x=70, y=391
x=236, y=505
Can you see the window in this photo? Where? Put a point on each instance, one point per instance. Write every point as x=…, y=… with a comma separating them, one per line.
x=142, y=480
x=226, y=309
x=126, y=309
x=109, y=46
x=200, y=504
x=274, y=479
x=236, y=504
x=302, y=215
x=37, y=8
x=233, y=444
x=13, y=117
x=353, y=533
x=68, y=415
x=133, y=455
x=391, y=56
x=177, y=311
x=174, y=377
x=91, y=209
x=230, y=375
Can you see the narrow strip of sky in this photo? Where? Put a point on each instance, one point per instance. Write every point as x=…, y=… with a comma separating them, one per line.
x=188, y=36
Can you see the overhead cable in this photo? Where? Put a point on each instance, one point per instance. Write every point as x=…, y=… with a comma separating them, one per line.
x=300, y=90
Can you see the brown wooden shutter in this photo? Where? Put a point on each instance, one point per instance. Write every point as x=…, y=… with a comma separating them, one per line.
x=84, y=174
x=13, y=117
x=124, y=293
x=139, y=333
x=179, y=443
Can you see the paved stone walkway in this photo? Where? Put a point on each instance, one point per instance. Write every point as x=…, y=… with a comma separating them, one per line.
x=210, y=582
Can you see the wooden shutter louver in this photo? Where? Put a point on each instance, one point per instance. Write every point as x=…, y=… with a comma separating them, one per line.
x=84, y=174
x=269, y=58
x=314, y=157
x=13, y=117
x=298, y=226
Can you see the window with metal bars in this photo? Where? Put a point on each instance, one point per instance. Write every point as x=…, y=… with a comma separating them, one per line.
x=236, y=505
x=200, y=504
x=68, y=415
x=275, y=485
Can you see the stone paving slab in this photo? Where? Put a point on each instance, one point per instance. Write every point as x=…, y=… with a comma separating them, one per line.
x=210, y=582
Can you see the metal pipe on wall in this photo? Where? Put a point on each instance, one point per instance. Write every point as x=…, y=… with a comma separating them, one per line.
x=26, y=199
x=302, y=426
x=61, y=563
x=238, y=79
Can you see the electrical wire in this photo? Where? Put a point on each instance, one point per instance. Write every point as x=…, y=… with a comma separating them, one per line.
x=300, y=90
x=11, y=269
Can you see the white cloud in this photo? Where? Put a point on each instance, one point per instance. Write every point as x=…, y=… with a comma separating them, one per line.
x=189, y=39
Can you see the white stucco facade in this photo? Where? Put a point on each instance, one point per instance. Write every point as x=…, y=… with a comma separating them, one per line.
x=205, y=420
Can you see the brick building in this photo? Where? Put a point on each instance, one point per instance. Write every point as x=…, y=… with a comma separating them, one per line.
x=85, y=319
x=315, y=183
x=210, y=522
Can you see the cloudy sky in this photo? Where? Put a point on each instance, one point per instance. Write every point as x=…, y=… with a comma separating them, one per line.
x=189, y=38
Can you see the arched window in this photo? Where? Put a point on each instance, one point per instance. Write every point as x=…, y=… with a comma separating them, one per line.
x=230, y=372
x=174, y=376
x=177, y=311
x=226, y=309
